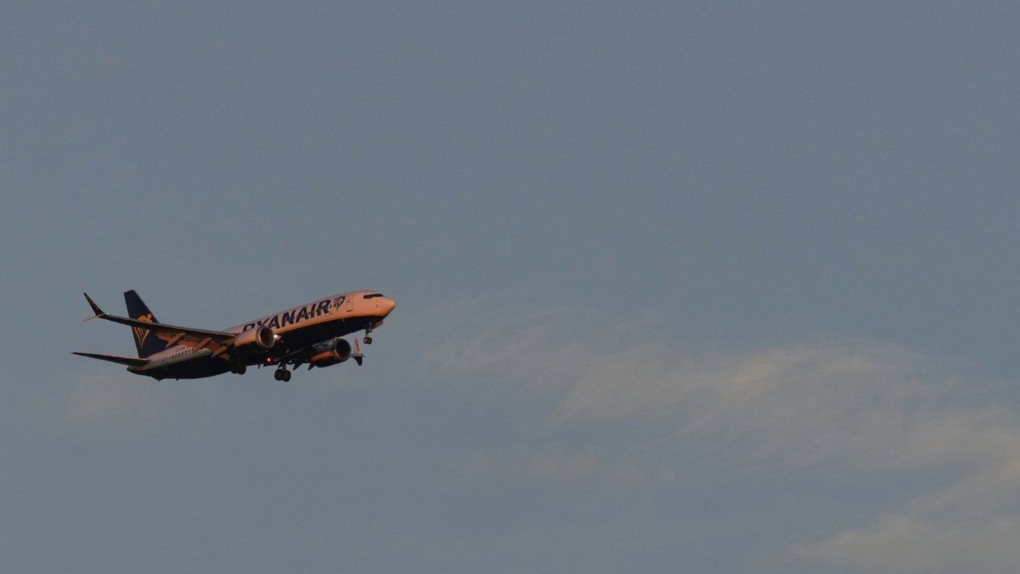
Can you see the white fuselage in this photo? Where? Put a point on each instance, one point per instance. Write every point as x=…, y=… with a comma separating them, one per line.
x=294, y=329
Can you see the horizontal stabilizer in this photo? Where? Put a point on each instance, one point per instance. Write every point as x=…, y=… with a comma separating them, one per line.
x=129, y=361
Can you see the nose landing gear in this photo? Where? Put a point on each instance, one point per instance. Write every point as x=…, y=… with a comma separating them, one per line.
x=368, y=332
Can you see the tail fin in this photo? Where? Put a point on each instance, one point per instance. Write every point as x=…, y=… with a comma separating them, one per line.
x=145, y=340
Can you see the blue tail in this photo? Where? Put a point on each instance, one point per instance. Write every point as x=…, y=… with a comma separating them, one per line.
x=146, y=341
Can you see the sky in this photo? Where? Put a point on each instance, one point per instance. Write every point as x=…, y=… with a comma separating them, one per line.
x=722, y=287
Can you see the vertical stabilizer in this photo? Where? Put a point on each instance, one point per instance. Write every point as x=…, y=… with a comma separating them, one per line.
x=146, y=340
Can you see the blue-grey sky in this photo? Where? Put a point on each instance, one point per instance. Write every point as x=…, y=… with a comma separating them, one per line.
x=722, y=287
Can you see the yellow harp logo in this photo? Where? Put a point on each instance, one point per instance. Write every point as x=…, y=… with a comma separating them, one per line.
x=140, y=333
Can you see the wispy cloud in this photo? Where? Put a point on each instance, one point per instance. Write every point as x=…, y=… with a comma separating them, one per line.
x=856, y=404
x=562, y=465
x=101, y=398
x=903, y=543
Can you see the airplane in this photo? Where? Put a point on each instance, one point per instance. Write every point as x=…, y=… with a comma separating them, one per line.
x=310, y=333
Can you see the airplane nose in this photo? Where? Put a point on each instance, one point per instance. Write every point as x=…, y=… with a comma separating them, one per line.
x=387, y=305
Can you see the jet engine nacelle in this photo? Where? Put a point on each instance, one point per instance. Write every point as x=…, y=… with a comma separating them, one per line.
x=261, y=337
x=330, y=353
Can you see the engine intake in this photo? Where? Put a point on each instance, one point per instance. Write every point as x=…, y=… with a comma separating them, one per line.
x=261, y=337
x=330, y=353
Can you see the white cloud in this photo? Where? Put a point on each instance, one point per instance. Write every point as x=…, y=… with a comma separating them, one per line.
x=899, y=543
x=858, y=405
x=101, y=398
x=562, y=466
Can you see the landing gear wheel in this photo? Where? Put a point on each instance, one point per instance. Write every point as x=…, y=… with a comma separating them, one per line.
x=286, y=376
x=281, y=375
x=368, y=340
x=238, y=369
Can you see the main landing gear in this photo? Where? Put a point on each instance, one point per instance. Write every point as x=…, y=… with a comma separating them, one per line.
x=282, y=374
x=238, y=369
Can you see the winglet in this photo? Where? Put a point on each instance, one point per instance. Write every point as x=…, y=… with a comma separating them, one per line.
x=95, y=308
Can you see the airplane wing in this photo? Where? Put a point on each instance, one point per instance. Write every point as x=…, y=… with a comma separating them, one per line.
x=129, y=361
x=187, y=336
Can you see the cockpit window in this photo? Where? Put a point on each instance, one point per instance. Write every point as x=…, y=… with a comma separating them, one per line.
x=373, y=295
